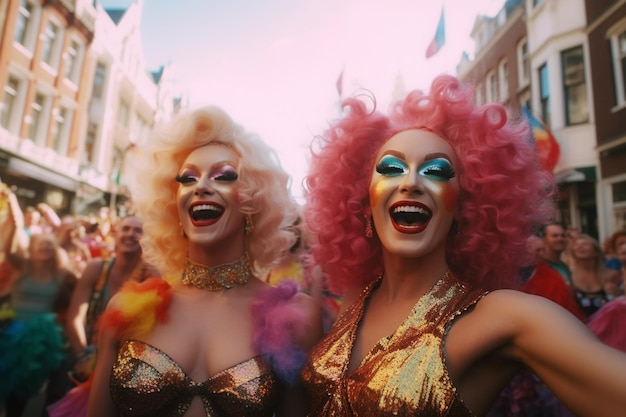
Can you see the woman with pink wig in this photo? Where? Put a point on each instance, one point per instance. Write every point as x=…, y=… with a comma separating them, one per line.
x=421, y=220
x=213, y=338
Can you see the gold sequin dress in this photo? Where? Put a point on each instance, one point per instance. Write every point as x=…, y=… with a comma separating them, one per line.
x=404, y=374
x=147, y=382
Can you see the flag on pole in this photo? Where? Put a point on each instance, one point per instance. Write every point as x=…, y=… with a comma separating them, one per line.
x=440, y=38
x=547, y=146
x=339, y=84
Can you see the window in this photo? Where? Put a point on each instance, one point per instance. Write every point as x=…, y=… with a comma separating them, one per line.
x=544, y=94
x=90, y=143
x=617, y=36
x=98, y=80
x=24, y=23
x=38, y=119
x=61, y=130
x=10, y=117
x=574, y=86
x=123, y=115
x=619, y=203
x=524, y=100
x=26, y=30
x=491, y=88
x=50, y=39
x=503, y=80
x=73, y=60
x=479, y=94
x=523, y=63
x=622, y=60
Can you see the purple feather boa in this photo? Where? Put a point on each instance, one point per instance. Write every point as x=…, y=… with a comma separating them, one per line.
x=277, y=321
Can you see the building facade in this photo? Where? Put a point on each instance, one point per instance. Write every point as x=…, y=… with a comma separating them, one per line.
x=44, y=101
x=500, y=69
x=544, y=47
x=562, y=98
x=76, y=101
x=606, y=30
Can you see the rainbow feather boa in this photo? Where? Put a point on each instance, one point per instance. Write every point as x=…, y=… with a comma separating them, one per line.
x=277, y=322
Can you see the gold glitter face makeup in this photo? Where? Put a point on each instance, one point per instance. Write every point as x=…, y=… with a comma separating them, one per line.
x=414, y=193
x=208, y=197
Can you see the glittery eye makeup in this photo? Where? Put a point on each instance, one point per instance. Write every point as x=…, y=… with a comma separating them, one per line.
x=223, y=173
x=439, y=169
x=391, y=166
x=186, y=178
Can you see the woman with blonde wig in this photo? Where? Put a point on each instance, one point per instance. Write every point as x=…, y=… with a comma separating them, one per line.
x=213, y=338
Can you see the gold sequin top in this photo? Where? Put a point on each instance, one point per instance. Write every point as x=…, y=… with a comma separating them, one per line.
x=404, y=374
x=146, y=382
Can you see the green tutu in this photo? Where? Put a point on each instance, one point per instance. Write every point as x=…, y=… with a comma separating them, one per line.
x=29, y=351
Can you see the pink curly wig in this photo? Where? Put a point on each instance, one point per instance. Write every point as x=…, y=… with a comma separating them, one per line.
x=263, y=189
x=504, y=193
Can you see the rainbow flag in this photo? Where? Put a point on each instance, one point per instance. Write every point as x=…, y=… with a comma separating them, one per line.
x=547, y=146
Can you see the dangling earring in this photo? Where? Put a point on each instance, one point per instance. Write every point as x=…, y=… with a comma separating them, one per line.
x=368, y=227
x=248, y=225
x=182, y=231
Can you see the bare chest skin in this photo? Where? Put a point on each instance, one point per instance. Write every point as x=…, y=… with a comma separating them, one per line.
x=119, y=273
x=207, y=332
x=380, y=320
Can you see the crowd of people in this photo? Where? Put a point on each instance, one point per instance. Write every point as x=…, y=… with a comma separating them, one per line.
x=424, y=275
x=52, y=291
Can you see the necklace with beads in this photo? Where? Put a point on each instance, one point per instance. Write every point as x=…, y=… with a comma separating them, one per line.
x=217, y=278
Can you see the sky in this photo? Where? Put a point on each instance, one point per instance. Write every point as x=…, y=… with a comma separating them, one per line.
x=273, y=65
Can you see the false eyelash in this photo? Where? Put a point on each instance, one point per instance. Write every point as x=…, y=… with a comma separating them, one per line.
x=184, y=179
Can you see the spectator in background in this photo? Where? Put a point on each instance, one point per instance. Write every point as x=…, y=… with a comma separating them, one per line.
x=621, y=253
x=100, y=281
x=610, y=249
x=609, y=323
x=589, y=274
x=71, y=233
x=552, y=277
x=537, y=248
x=32, y=343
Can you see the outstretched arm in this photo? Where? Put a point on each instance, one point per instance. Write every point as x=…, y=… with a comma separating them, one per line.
x=13, y=239
x=77, y=313
x=587, y=375
x=507, y=328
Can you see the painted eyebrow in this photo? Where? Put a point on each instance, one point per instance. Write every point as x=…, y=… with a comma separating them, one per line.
x=428, y=157
x=213, y=167
x=436, y=155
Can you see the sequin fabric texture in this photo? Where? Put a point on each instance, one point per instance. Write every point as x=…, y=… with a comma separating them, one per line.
x=146, y=382
x=404, y=374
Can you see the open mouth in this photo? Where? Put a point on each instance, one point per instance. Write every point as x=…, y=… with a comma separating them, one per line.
x=409, y=217
x=203, y=214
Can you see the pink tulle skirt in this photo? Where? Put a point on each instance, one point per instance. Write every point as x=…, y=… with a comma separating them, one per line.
x=608, y=323
x=73, y=404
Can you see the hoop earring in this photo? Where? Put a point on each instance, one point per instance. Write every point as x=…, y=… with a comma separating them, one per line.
x=248, y=225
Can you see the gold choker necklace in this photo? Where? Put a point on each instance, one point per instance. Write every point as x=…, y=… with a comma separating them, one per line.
x=217, y=278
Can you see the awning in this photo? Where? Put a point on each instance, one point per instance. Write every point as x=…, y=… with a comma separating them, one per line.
x=39, y=173
x=581, y=174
